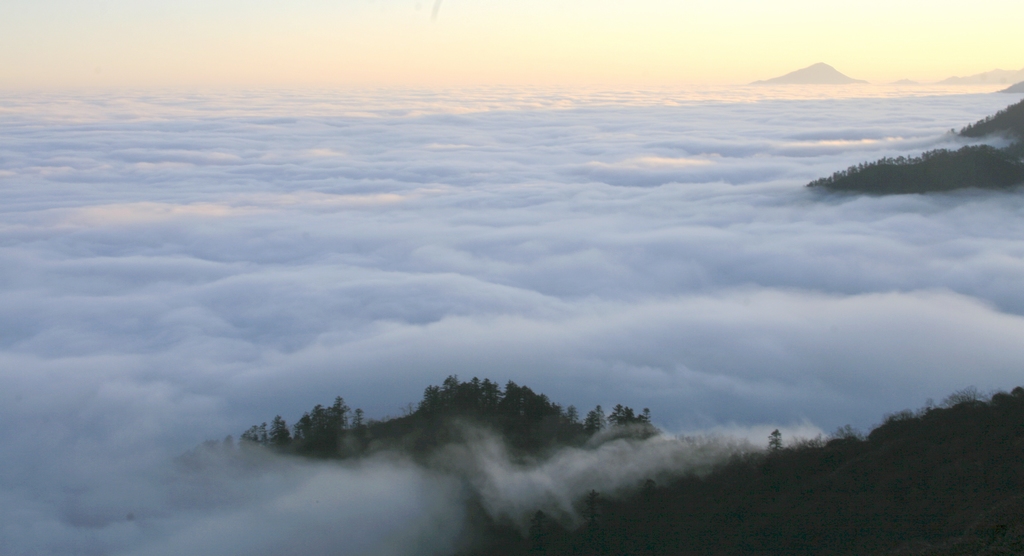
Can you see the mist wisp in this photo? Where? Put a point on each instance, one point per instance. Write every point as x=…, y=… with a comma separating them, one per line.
x=245, y=499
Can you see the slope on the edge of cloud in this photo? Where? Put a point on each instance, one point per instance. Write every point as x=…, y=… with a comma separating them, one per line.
x=941, y=481
x=1018, y=88
x=981, y=166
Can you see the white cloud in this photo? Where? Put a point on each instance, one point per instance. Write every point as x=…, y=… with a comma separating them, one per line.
x=178, y=268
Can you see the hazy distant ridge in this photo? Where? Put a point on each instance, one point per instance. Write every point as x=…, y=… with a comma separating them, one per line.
x=994, y=77
x=817, y=74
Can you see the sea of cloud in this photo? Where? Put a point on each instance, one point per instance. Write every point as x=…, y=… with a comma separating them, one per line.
x=176, y=267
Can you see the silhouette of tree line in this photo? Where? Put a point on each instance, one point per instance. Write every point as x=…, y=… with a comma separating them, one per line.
x=525, y=420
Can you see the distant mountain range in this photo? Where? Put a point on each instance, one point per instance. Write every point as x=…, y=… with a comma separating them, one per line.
x=824, y=74
x=818, y=74
x=994, y=77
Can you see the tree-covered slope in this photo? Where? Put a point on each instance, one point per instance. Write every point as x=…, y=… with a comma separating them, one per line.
x=942, y=480
x=940, y=170
x=938, y=481
x=1008, y=121
x=981, y=167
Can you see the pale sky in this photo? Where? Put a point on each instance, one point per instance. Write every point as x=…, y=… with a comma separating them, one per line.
x=62, y=43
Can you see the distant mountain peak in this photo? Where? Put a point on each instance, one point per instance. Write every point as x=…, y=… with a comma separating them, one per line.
x=817, y=74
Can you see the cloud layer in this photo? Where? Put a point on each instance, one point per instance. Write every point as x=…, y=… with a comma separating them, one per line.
x=178, y=267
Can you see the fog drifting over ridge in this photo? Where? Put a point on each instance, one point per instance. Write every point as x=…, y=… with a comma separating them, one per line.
x=176, y=268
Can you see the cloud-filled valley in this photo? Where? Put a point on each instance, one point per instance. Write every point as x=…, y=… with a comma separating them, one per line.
x=177, y=267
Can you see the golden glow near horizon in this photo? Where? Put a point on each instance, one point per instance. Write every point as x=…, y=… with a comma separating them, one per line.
x=66, y=43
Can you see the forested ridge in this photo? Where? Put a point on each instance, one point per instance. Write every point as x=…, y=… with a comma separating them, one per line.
x=982, y=166
x=945, y=479
x=1010, y=121
x=528, y=423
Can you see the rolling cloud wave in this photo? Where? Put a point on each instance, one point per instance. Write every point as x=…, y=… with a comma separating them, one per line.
x=181, y=272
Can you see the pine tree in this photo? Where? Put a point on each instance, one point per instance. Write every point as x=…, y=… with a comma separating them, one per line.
x=591, y=509
x=257, y=434
x=279, y=435
x=572, y=416
x=594, y=421
x=621, y=416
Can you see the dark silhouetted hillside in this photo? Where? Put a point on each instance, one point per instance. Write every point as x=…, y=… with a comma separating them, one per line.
x=1007, y=121
x=939, y=481
x=941, y=170
x=981, y=167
